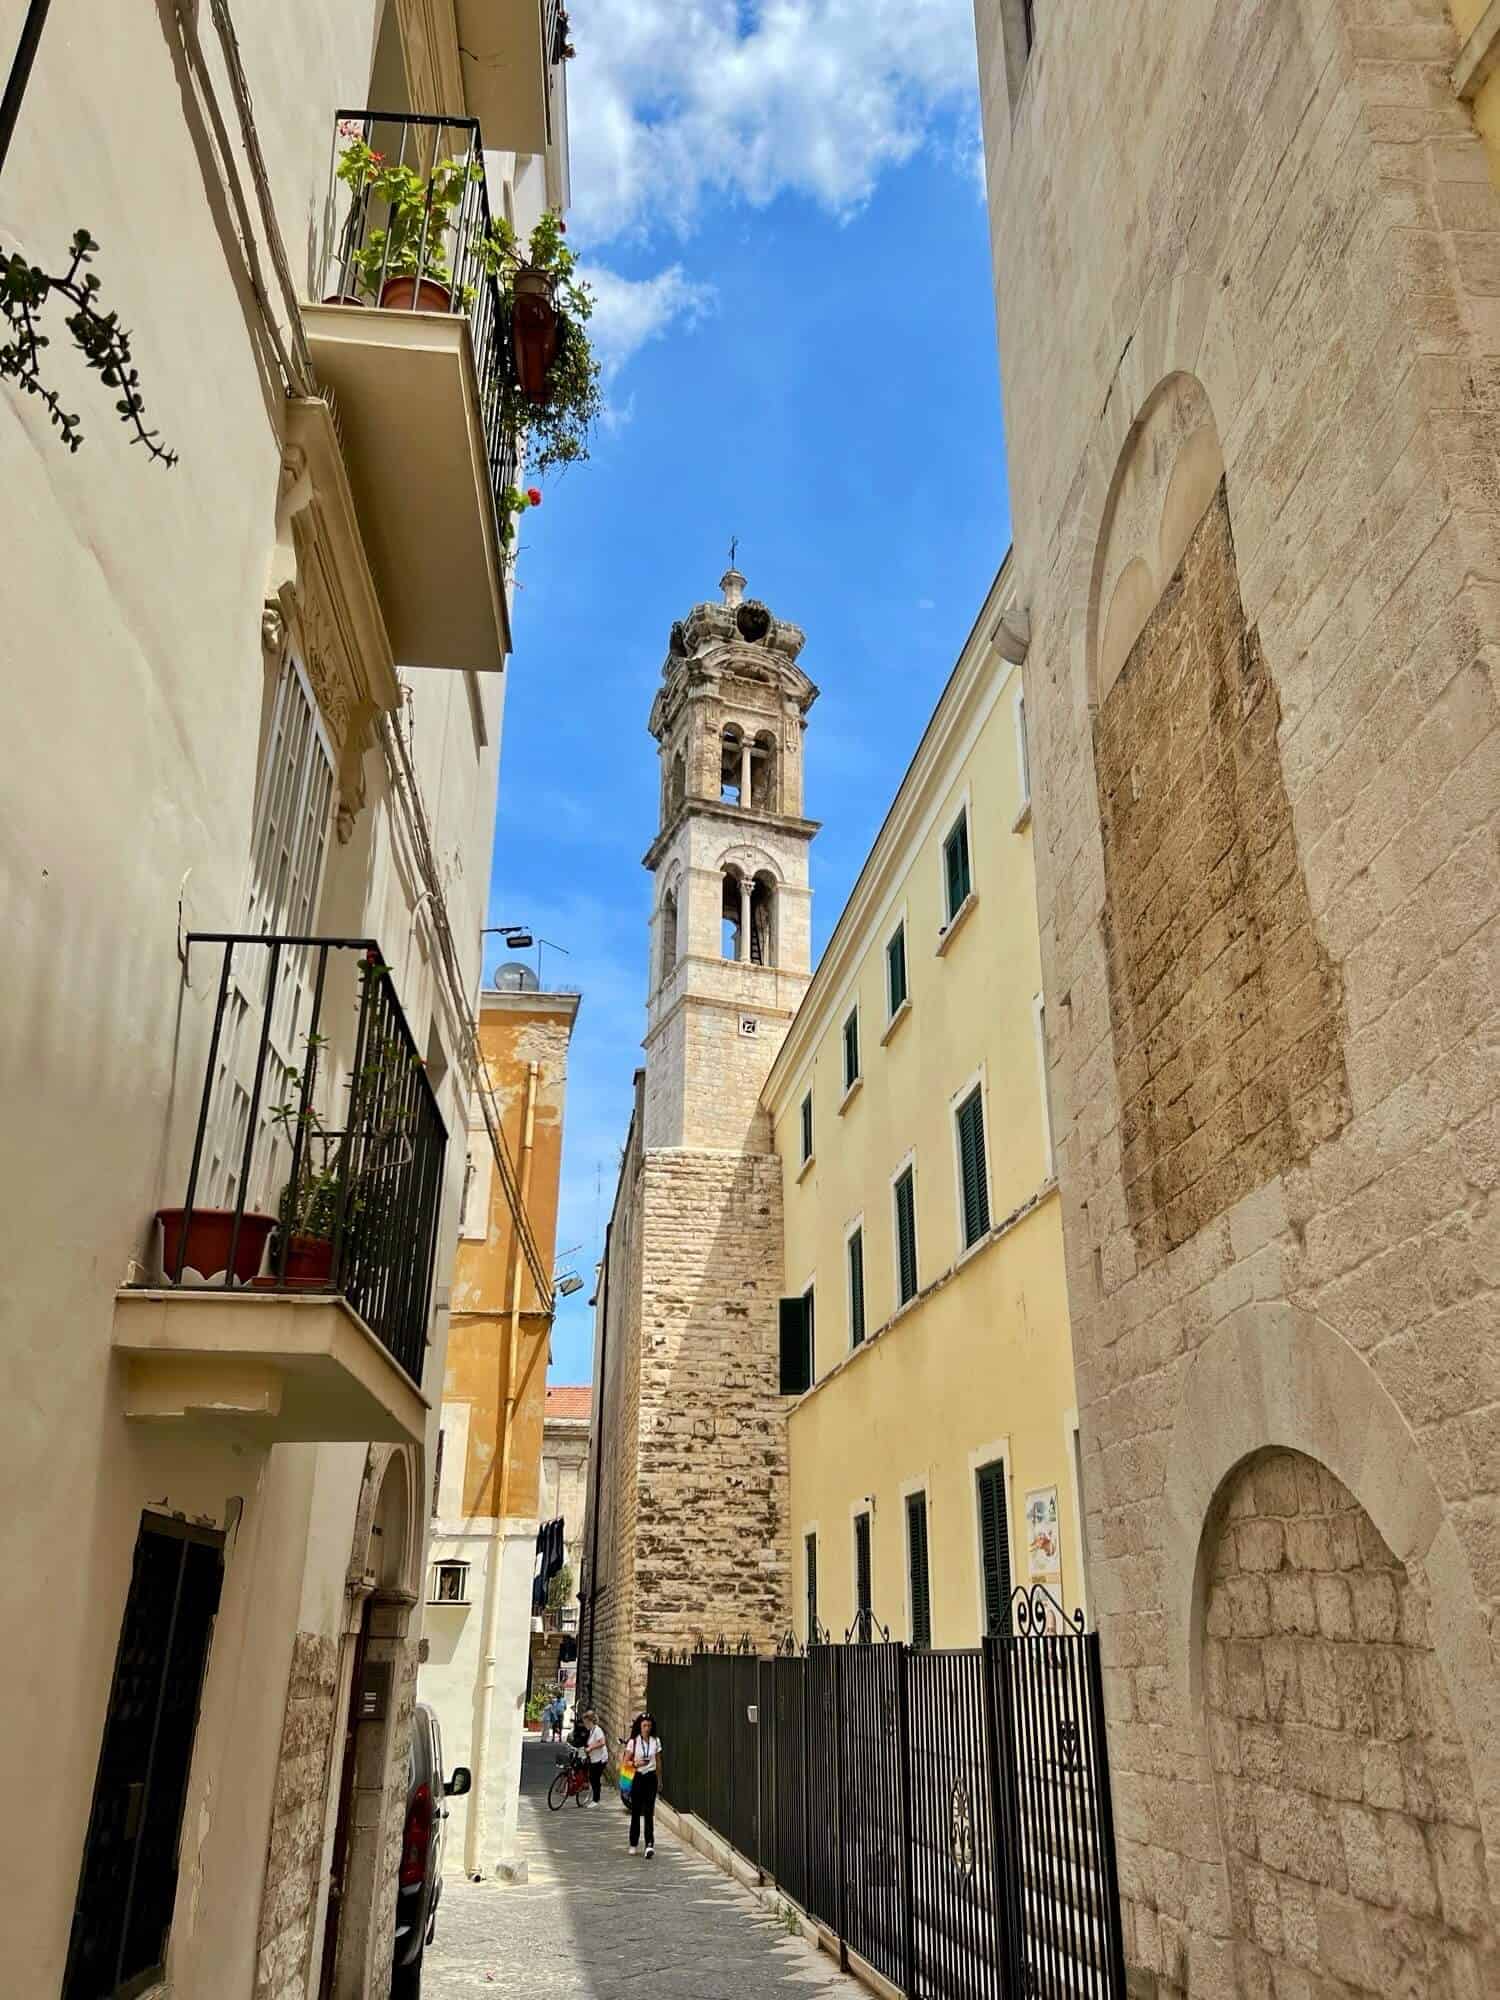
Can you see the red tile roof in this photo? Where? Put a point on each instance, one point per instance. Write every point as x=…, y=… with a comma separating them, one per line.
x=575, y=1403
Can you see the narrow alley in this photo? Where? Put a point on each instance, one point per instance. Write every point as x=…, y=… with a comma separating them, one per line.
x=591, y=1922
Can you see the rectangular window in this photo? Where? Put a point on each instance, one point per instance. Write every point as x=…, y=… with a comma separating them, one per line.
x=851, y=1050
x=1023, y=752
x=863, y=1599
x=856, y=1253
x=812, y=1337
x=796, y=1347
x=906, y=1236
x=917, y=1569
x=1039, y=1015
x=994, y=1546
x=807, y=1129
x=895, y=970
x=973, y=1173
x=449, y=1584
x=810, y=1555
x=128, y=1882
x=956, y=879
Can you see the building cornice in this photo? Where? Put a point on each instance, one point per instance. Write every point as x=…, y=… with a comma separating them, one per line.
x=979, y=678
x=731, y=816
x=530, y=1001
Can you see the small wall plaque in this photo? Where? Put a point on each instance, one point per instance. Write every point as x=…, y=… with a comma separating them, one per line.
x=749, y=1025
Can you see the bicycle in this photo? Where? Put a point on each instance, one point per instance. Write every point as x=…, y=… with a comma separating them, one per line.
x=571, y=1782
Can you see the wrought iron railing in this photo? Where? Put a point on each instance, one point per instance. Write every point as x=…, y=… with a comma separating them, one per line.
x=556, y=30
x=945, y=1814
x=318, y=1154
x=427, y=253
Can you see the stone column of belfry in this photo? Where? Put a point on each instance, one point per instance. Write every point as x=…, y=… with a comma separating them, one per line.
x=691, y=1530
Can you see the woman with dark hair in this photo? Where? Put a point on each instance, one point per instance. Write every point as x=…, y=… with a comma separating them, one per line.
x=644, y=1752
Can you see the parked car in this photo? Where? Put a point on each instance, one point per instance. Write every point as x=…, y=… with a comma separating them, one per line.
x=419, y=1885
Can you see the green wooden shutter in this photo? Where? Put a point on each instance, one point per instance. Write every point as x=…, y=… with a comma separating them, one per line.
x=906, y=1237
x=895, y=970
x=856, y=1288
x=862, y=1588
x=994, y=1546
x=916, y=1556
x=811, y=1546
x=807, y=1127
x=851, y=1050
x=971, y=1159
x=956, y=859
x=796, y=1347
x=812, y=1336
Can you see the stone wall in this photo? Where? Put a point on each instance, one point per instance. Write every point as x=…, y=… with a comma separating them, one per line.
x=294, y=1874
x=1226, y=1012
x=1345, y=1798
x=1281, y=203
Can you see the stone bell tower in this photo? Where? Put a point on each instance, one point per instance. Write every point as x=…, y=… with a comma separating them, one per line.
x=730, y=933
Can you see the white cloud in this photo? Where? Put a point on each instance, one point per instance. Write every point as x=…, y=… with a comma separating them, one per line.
x=630, y=311
x=675, y=98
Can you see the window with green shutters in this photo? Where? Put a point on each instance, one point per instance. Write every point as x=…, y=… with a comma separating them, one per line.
x=994, y=1546
x=851, y=1050
x=972, y=1170
x=812, y=1336
x=895, y=970
x=917, y=1569
x=906, y=1236
x=856, y=1252
x=807, y=1129
x=956, y=864
x=810, y=1547
x=863, y=1600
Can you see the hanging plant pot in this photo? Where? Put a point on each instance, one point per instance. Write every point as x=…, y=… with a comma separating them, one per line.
x=209, y=1234
x=415, y=295
x=534, y=325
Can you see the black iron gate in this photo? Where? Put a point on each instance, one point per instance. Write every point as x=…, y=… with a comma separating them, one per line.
x=945, y=1814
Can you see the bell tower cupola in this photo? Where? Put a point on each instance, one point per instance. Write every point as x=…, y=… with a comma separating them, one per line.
x=731, y=937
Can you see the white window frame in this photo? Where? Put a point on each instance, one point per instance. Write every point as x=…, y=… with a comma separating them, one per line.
x=964, y=811
x=851, y=1083
x=1044, y=1077
x=988, y=1455
x=908, y=1160
x=1023, y=758
x=909, y=1492
x=978, y=1081
x=851, y=1229
x=462, y=1565
x=896, y=1014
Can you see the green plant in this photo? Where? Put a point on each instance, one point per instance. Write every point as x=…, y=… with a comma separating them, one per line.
x=25, y=292
x=557, y=430
x=560, y=1589
x=539, y=1699
x=419, y=216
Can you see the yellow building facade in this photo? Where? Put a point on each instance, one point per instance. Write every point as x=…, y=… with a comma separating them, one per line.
x=934, y=1458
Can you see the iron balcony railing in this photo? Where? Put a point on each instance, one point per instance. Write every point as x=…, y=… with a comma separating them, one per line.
x=317, y=1161
x=555, y=30
x=408, y=230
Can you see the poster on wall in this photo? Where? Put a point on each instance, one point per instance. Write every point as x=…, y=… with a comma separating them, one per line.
x=1042, y=1557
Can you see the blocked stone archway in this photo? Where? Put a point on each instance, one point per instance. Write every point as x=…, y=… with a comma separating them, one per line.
x=1345, y=1800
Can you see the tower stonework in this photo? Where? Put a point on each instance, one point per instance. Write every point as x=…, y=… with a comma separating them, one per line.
x=686, y=1532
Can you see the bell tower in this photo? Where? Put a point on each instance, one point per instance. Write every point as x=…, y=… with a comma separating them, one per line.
x=731, y=938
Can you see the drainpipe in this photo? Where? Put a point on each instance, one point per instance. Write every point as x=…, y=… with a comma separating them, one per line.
x=477, y=1823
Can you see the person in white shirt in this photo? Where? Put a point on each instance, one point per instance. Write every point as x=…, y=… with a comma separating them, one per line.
x=596, y=1749
x=644, y=1751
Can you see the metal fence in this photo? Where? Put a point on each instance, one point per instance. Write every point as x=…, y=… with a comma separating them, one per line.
x=946, y=1815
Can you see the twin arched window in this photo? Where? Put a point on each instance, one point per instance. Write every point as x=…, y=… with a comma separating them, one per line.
x=749, y=914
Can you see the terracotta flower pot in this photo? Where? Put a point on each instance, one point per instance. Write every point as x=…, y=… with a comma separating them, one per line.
x=209, y=1233
x=415, y=295
x=309, y=1267
x=534, y=327
x=342, y=299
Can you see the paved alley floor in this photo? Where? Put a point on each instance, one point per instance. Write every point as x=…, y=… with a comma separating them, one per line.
x=592, y=1922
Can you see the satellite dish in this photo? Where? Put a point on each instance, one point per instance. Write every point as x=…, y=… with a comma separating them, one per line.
x=514, y=977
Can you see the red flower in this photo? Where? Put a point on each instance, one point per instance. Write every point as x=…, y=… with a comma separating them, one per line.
x=533, y=494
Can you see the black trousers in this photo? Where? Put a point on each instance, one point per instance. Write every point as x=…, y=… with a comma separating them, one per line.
x=643, y=1806
x=596, y=1779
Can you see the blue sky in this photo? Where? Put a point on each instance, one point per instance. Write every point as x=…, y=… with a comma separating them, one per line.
x=783, y=211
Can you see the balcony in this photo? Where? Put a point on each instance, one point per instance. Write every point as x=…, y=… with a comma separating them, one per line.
x=289, y=1295
x=412, y=337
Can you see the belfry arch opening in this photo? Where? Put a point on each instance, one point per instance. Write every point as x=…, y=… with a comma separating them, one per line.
x=748, y=932
x=734, y=767
x=667, y=945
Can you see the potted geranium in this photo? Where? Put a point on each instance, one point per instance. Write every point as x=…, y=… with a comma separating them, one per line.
x=404, y=264
x=555, y=399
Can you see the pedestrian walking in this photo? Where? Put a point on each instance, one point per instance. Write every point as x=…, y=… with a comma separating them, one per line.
x=596, y=1749
x=645, y=1754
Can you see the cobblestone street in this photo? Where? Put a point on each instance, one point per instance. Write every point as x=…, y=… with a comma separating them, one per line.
x=592, y=1922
